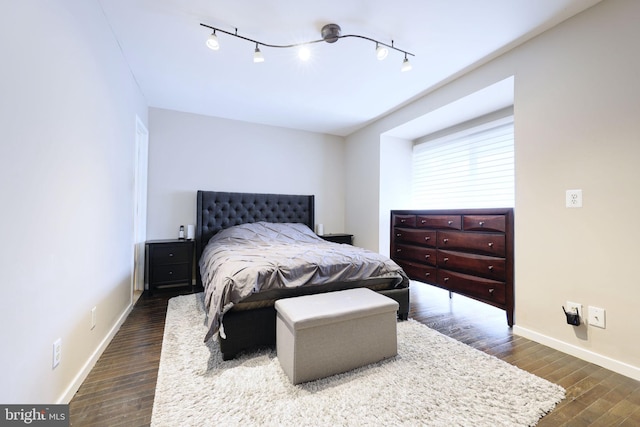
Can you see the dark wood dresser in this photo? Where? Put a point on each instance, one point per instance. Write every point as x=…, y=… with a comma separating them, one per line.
x=469, y=252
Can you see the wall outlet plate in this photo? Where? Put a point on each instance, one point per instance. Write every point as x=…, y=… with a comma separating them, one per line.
x=574, y=198
x=571, y=307
x=573, y=312
x=597, y=317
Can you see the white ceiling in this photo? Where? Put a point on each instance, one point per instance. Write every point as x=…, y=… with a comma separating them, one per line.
x=343, y=87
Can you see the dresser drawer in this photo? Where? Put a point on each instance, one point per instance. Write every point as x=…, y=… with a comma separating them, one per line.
x=476, y=287
x=484, y=223
x=420, y=272
x=485, y=243
x=415, y=253
x=404, y=220
x=170, y=253
x=170, y=273
x=481, y=265
x=421, y=237
x=453, y=222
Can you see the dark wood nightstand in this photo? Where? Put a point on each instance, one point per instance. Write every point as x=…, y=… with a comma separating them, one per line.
x=169, y=264
x=338, y=238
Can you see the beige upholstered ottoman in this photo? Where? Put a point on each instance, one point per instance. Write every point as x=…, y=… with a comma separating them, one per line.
x=325, y=334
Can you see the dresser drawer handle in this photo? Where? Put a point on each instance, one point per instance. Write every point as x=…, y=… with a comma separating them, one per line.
x=491, y=291
x=481, y=223
x=171, y=254
x=446, y=279
x=449, y=222
x=427, y=238
x=398, y=250
x=427, y=274
x=399, y=235
x=445, y=259
x=427, y=256
x=403, y=220
x=491, y=268
x=423, y=221
x=445, y=240
x=490, y=244
x=171, y=273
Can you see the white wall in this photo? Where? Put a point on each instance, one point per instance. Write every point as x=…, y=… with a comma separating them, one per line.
x=577, y=110
x=189, y=152
x=67, y=125
x=362, y=203
x=395, y=173
x=577, y=126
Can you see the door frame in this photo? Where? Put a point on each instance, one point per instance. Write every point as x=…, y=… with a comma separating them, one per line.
x=140, y=207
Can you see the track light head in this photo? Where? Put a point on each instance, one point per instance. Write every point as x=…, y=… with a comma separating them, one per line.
x=304, y=53
x=257, y=55
x=406, y=65
x=381, y=52
x=212, y=41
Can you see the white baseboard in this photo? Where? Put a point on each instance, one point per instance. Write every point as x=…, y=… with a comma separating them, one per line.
x=598, y=359
x=86, y=369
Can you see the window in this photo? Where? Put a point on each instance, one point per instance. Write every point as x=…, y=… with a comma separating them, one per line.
x=473, y=168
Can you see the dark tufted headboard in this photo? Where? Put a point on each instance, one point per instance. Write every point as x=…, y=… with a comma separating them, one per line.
x=218, y=210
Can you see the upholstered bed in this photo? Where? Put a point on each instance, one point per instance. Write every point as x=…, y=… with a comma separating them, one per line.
x=244, y=317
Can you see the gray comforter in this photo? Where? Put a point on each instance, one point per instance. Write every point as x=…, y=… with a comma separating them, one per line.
x=261, y=256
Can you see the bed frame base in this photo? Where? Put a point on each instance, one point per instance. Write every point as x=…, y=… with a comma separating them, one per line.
x=253, y=329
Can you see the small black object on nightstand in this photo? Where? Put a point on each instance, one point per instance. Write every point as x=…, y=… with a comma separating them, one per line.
x=338, y=238
x=169, y=264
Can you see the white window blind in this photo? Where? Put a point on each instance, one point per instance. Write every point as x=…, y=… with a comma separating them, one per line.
x=470, y=169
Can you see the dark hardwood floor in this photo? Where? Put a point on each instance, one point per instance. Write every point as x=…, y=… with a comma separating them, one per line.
x=119, y=390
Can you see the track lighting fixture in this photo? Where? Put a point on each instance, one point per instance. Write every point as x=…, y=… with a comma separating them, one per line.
x=330, y=33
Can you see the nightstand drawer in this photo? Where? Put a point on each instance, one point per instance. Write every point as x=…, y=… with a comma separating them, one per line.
x=170, y=273
x=171, y=254
x=338, y=238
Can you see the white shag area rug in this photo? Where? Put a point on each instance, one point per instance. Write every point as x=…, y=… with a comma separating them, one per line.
x=433, y=381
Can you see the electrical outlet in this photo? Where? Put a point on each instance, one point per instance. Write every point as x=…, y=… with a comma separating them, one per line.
x=57, y=352
x=574, y=198
x=571, y=307
x=596, y=317
x=93, y=317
